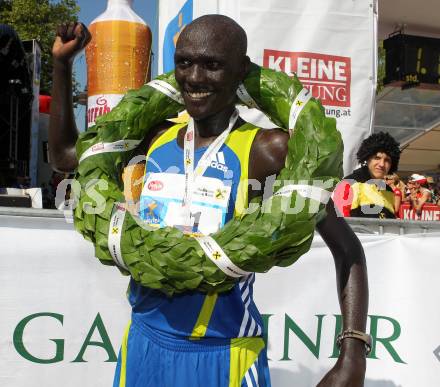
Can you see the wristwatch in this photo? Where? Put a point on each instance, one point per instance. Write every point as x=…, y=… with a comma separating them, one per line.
x=351, y=333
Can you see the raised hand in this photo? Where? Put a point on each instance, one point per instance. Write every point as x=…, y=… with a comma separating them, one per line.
x=71, y=38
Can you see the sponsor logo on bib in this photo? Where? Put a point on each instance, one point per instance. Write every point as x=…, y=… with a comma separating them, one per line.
x=155, y=185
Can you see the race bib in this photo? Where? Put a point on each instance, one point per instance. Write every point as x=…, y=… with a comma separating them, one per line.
x=162, y=198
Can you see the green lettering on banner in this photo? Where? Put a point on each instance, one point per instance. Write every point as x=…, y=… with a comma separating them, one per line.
x=105, y=343
x=21, y=349
x=266, y=318
x=386, y=341
x=290, y=325
x=338, y=330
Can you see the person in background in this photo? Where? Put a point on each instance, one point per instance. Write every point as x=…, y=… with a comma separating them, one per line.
x=433, y=189
x=364, y=192
x=406, y=192
x=398, y=188
x=437, y=191
x=419, y=194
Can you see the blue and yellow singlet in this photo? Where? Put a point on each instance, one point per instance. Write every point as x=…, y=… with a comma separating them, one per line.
x=219, y=194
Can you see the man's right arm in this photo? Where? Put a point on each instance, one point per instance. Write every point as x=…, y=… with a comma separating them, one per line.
x=70, y=40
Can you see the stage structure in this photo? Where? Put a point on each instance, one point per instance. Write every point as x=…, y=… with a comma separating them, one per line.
x=33, y=50
x=16, y=96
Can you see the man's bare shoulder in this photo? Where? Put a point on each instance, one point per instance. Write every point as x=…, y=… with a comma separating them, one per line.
x=270, y=146
x=273, y=140
x=268, y=153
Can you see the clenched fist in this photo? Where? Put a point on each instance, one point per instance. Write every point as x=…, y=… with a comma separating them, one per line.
x=71, y=38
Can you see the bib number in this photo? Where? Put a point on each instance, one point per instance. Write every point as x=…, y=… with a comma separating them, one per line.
x=162, y=203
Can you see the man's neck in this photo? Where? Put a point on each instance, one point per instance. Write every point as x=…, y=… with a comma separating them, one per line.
x=207, y=129
x=214, y=125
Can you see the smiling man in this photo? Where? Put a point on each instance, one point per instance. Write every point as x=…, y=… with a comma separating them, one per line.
x=364, y=193
x=216, y=339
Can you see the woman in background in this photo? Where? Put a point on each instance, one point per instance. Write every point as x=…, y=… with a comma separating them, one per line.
x=398, y=187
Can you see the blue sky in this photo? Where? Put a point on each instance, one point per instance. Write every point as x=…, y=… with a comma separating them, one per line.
x=90, y=9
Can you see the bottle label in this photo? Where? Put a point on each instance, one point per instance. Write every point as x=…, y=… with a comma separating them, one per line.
x=98, y=105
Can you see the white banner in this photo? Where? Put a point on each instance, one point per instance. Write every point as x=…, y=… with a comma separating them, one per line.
x=329, y=44
x=403, y=313
x=54, y=295
x=63, y=313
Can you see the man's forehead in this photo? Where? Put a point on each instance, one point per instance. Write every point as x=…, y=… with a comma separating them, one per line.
x=199, y=45
x=208, y=39
x=208, y=30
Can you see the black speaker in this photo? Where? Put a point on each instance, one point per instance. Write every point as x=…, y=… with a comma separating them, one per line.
x=412, y=60
x=15, y=105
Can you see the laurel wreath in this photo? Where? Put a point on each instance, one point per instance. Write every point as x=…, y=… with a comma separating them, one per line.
x=168, y=260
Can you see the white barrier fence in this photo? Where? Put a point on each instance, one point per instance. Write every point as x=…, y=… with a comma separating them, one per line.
x=63, y=313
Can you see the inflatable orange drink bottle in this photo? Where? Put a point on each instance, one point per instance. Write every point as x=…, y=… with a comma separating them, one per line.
x=118, y=57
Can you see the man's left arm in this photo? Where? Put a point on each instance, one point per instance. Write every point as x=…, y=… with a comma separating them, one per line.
x=352, y=287
x=267, y=158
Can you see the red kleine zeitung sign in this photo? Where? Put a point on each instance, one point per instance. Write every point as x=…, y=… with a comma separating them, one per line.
x=430, y=212
x=328, y=77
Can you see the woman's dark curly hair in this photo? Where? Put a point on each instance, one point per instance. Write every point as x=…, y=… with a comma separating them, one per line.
x=380, y=142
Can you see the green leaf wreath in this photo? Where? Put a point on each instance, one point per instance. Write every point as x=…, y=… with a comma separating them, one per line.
x=168, y=260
